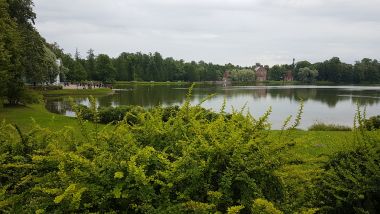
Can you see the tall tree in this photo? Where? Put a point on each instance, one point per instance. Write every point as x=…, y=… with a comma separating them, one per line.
x=105, y=69
x=90, y=65
x=307, y=75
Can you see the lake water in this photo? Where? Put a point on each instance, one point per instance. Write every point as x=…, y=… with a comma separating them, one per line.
x=328, y=104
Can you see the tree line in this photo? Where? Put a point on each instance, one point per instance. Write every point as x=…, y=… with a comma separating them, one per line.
x=135, y=67
x=154, y=67
x=26, y=58
x=332, y=70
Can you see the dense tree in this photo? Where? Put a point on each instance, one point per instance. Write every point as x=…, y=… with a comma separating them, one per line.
x=243, y=75
x=367, y=70
x=22, y=11
x=10, y=40
x=307, y=75
x=90, y=65
x=25, y=57
x=277, y=72
x=105, y=69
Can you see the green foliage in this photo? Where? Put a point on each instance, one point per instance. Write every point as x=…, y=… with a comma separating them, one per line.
x=307, y=75
x=23, y=54
x=186, y=162
x=154, y=67
x=372, y=123
x=277, y=72
x=243, y=75
x=262, y=206
x=76, y=73
x=105, y=69
x=235, y=209
x=328, y=127
x=350, y=180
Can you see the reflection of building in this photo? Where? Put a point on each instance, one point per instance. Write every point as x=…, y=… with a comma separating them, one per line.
x=288, y=76
x=261, y=73
x=226, y=76
x=260, y=92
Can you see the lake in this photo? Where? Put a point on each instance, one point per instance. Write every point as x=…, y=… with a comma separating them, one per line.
x=328, y=104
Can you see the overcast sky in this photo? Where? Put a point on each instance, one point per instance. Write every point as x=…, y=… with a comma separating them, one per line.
x=220, y=31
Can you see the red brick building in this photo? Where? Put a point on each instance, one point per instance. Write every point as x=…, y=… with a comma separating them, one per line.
x=288, y=76
x=261, y=73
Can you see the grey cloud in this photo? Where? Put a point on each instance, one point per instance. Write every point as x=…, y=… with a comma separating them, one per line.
x=238, y=31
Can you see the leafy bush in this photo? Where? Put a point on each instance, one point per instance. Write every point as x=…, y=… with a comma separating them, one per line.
x=185, y=163
x=372, y=123
x=351, y=181
x=115, y=114
x=24, y=96
x=129, y=113
x=262, y=206
x=328, y=127
x=351, y=178
x=84, y=112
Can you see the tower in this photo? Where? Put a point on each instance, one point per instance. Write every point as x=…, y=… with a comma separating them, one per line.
x=294, y=65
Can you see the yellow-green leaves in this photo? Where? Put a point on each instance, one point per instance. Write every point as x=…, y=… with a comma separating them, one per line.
x=72, y=193
x=118, y=175
x=235, y=209
x=262, y=206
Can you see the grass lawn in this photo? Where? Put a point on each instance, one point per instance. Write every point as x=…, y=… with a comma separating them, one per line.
x=23, y=117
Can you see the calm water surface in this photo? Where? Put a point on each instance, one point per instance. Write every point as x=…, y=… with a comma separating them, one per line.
x=328, y=104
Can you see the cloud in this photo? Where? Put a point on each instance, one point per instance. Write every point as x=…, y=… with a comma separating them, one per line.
x=237, y=31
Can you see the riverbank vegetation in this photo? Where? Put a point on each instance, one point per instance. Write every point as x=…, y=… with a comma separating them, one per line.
x=328, y=127
x=75, y=92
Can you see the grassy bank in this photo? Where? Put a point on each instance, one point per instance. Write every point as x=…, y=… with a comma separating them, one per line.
x=24, y=117
x=149, y=83
x=74, y=92
x=268, y=82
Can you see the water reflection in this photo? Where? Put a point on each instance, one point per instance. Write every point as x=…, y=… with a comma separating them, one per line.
x=322, y=103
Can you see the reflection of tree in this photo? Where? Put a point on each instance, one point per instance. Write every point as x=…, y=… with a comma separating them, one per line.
x=328, y=96
x=149, y=96
x=57, y=105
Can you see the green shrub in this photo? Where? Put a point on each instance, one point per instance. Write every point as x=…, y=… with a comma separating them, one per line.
x=328, y=127
x=30, y=97
x=20, y=95
x=262, y=206
x=372, y=123
x=185, y=163
x=115, y=114
x=84, y=112
x=130, y=113
x=350, y=183
x=170, y=111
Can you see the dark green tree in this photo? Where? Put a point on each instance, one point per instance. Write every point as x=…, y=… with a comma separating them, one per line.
x=104, y=68
x=90, y=65
x=307, y=75
x=277, y=72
